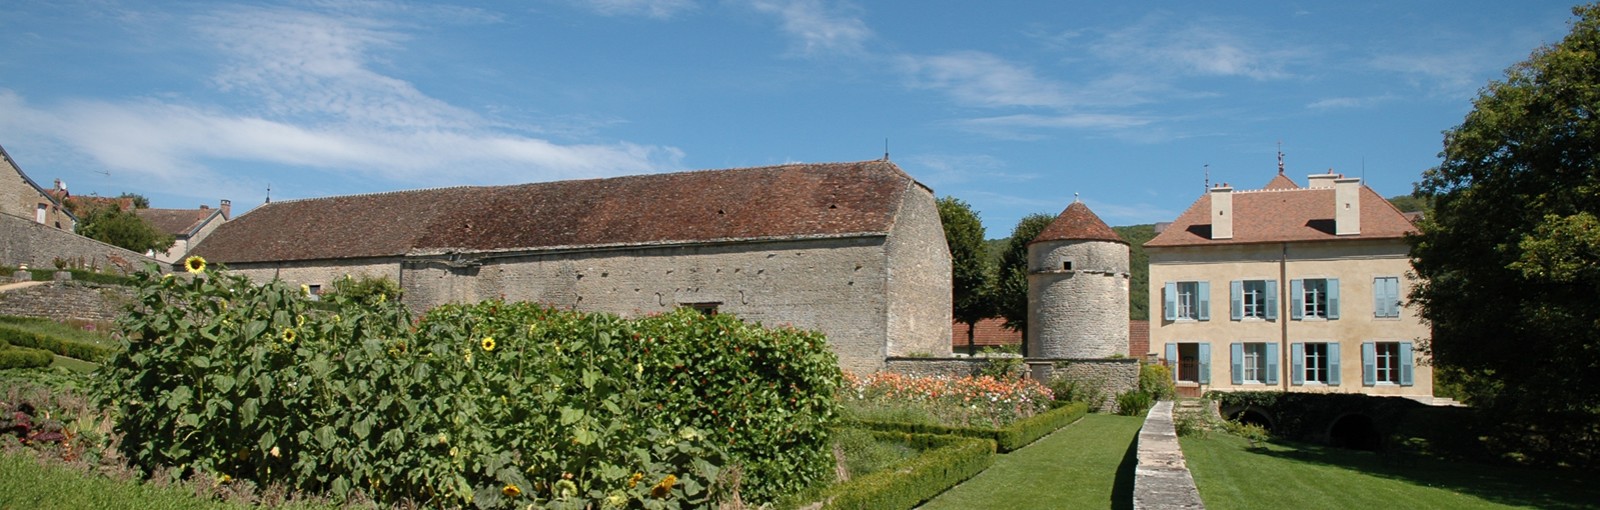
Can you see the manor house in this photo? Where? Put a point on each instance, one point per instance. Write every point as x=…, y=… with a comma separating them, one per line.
x=854, y=250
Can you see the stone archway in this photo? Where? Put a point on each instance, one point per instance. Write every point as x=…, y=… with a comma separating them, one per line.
x=1251, y=415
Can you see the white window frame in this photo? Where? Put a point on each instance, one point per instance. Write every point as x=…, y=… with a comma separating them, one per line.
x=1254, y=298
x=1316, y=363
x=1188, y=301
x=1386, y=363
x=1255, y=363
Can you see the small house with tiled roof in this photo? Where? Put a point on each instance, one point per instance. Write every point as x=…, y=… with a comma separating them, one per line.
x=854, y=250
x=1288, y=288
x=186, y=226
x=20, y=196
x=1077, y=288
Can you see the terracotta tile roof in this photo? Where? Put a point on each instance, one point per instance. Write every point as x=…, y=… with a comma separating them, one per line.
x=1280, y=215
x=988, y=333
x=176, y=222
x=1281, y=182
x=1138, y=338
x=1077, y=223
x=787, y=201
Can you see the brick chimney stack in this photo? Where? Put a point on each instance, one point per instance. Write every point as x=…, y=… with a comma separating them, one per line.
x=227, y=209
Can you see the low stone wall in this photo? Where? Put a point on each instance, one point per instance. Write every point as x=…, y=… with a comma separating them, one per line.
x=944, y=367
x=67, y=300
x=1161, y=481
x=1113, y=375
x=38, y=246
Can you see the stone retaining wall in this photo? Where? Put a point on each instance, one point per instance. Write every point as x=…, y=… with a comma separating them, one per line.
x=67, y=300
x=38, y=246
x=1162, y=480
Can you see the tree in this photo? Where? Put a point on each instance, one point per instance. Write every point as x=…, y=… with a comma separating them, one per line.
x=969, y=264
x=1011, y=278
x=107, y=222
x=139, y=201
x=1508, y=255
x=1138, y=269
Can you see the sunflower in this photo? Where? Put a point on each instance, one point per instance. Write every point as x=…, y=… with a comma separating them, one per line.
x=195, y=264
x=511, y=491
x=289, y=335
x=634, y=480
x=488, y=343
x=664, y=489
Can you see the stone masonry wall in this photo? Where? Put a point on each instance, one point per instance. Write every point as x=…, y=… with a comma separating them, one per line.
x=919, y=292
x=21, y=200
x=1080, y=312
x=1112, y=376
x=22, y=241
x=67, y=300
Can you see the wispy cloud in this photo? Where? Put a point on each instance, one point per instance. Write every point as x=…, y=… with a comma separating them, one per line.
x=950, y=169
x=975, y=78
x=1445, y=73
x=1338, y=103
x=301, y=90
x=659, y=9
x=1203, y=48
x=817, y=28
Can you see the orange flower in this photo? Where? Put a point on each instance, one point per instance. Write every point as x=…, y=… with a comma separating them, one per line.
x=664, y=489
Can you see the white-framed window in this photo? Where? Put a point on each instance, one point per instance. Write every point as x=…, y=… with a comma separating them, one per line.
x=1187, y=300
x=1314, y=298
x=41, y=213
x=1254, y=299
x=1314, y=363
x=1386, y=363
x=1386, y=296
x=1255, y=363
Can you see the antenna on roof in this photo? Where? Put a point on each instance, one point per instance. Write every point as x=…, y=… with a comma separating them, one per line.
x=1363, y=169
x=886, y=148
x=1208, y=177
x=1280, y=157
x=269, y=192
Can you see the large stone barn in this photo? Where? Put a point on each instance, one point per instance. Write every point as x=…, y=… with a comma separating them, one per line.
x=854, y=250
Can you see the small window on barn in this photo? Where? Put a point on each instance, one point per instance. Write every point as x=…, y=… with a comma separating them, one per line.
x=709, y=308
x=1066, y=265
x=315, y=292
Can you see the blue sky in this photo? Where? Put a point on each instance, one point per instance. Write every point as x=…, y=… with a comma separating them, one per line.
x=1011, y=106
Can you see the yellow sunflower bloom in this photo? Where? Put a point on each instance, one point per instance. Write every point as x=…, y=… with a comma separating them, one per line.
x=511, y=491
x=195, y=264
x=664, y=489
x=488, y=343
x=289, y=335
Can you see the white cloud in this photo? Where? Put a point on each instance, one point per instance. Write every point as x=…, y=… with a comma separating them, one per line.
x=816, y=29
x=659, y=9
x=1194, y=49
x=1336, y=103
x=950, y=169
x=976, y=78
x=1450, y=74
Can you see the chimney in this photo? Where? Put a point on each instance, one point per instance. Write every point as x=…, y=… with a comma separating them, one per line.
x=227, y=209
x=1222, y=212
x=1316, y=181
x=1347, y=206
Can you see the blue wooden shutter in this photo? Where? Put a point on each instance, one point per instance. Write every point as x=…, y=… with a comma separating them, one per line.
x=1272, y=364
x=1406, y=364
x=1333, y=298
x=1333, y=364
x=1393, y=285
x=1297, y=363
x=1204, y=290
x=1272, y=300
x=1205, y=363
x=1170, y=296
x=1381, y=298
x=1237, y=351
x=1172, y=359
x=1369, y=363
x=1236, y=296
x=1297, y=299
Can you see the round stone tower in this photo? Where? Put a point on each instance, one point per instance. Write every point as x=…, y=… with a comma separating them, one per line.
x=1077, y=288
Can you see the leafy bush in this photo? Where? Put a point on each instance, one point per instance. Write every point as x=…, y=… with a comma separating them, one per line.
x=1133, y=403
x=1254, y=433
x=367, y=288
x=1156, y=380
x=491, y=404
x=865, y=451
x=1004, y=362
x=947, y=461
x=1188, y=424
x=1089, y=391
x=23, y=357
x=87, y=352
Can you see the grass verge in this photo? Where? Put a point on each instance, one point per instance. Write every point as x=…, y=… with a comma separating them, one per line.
x=1088, y=464
x=1231, y=475
x=28, y=483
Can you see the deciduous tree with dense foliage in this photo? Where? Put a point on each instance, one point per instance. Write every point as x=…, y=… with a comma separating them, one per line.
x=1011, y=281
x=1508, y=256
x=969, y=264
x=109, y=223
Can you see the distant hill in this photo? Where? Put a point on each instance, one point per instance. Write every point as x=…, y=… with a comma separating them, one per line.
x=1138, y=265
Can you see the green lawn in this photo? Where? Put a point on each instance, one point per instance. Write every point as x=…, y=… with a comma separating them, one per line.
x=1303, y=476
x=28, y=484
x=1088, y=464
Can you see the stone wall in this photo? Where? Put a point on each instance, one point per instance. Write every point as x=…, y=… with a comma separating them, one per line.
x=919, y=293
x=1113, y=376
x=23, y=241
x=1077, y=299
x=67, y=300
x=19, y=199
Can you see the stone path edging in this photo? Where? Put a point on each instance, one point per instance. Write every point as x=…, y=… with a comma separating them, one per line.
x=1162, y=480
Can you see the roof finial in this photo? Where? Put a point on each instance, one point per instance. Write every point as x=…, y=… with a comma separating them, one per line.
x=269, y=192
x=1208, y=176
x=886, y=148
x=1280, y=157
x=1075, y=198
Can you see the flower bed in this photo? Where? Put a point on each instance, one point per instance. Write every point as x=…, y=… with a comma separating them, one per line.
x=980, y=401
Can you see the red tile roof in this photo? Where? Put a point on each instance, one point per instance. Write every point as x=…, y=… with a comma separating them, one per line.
x=989, y=333
x=1077, y=223
x=1281, y=182
x=1138, y=338
x=778, y=202
x=1283, y=215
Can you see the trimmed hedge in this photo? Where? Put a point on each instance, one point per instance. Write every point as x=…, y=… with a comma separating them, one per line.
x=70, y=349
x=947, y=461
x=79, y=275
x=23, y=357
x=1008, y=438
